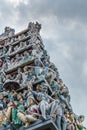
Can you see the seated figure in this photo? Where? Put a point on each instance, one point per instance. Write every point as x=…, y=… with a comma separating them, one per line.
x=31, y=114
x=46, y=103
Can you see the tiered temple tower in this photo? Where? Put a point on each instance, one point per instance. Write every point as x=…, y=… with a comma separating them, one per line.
x=25, y=68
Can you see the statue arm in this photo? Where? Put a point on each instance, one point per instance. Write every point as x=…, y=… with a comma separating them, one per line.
x=8, y=113
x=80, y=125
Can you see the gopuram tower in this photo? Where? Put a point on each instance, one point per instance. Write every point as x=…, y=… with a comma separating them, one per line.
x=32, y=94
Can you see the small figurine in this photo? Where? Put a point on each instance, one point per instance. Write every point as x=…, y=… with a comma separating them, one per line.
x=2, y=116
x=22, y=36
x=22, y=45
x=37, y=67
x=4, y=50
x=38, y=26
x=25, y=56
x=25, y=76
x=18, y=59
x=31, y=27
x=10, y=49
x=19, y=37
x=19, y=76
x=2, y=79
x=70, y=119
x=2, y=101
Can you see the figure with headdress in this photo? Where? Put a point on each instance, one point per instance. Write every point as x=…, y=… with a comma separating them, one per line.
x=32, y=113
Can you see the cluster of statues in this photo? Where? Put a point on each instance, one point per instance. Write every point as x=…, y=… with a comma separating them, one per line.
x=34, y=93
x=20, y=42
x=8, y=32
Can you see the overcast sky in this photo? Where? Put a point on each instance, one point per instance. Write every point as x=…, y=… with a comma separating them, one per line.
x=64, y=33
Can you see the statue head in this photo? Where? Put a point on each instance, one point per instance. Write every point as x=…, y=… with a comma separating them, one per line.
x=81, y=118
x=1, y=96
x=31, y=100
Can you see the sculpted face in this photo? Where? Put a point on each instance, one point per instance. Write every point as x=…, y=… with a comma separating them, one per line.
x=1, y=96
x=82, y=119
x=72, y=115
x=38, y=87
x=31, y=102
x=19, y=97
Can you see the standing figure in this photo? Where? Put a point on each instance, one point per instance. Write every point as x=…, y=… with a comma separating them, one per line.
x=25, y=56
x=2, y=100
x=22, y=45
x=7, y=60
x=2, y=80
x=19, y=78
x=70, y=121
x=17, y=59
x=65, y=97
x=25, y=77
x=37, y=67
x=10, y=49
x=4, y=50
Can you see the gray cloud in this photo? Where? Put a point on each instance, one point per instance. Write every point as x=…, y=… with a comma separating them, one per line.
x=64, y=10
x=64, y=32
